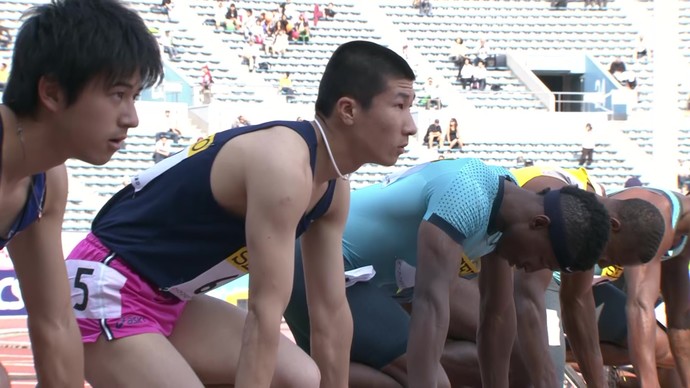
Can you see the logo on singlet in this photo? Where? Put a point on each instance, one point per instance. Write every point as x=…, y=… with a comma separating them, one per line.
x=468, y=266
x=612, y=271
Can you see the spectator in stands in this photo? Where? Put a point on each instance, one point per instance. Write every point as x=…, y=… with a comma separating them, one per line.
x=280, y=43
x=432, y=94
x=162, y=150
x=273, y=22
x=425, y=8
x=617, y=66
x=174, y=131
x=289, y=10
x=163, y=7
x=641, y=50
x=241, y=122
x=467, y=74
x=285, y=87
x=247, y=23
x=453, y=135
x=232, y=19
x=4, y=75
x=317, y=14
x=483, y=51
x=256, y=33
x=250, y=52
x=624, y=76
x=219, y=17
x=169, y=47
x=633, y=181
x=5, y=37
x=458, y=53
x=206, y=83
x=588, y=144
x=434, y=134
x=480, y=74
x=302, y=27
x=329, y=12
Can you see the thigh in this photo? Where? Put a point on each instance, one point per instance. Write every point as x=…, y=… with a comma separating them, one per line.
x=144, y=360
x=381, y=326
x=363, y=376
x=209, y=336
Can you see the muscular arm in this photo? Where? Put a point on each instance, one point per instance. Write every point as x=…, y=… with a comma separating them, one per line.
x=438, y=262
x=643, y=290
x=329, y=313
x=276, y=199
x=580, y=324
x=496, y=332
x=38, y=261
x=531, y=326
x=676, y=291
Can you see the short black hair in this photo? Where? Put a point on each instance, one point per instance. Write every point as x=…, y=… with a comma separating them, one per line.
x=360, y=70
x=642, y=226
x=74, y=41
x=587, y=225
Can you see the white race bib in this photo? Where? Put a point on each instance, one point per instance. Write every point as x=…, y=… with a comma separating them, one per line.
x=95, y=289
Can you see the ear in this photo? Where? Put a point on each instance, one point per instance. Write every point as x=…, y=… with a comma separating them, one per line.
x=346, y=107
x=50, y=94
x=615, y=224
x=539, y=222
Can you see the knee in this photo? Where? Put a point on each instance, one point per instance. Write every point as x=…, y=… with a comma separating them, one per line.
x=306, y=376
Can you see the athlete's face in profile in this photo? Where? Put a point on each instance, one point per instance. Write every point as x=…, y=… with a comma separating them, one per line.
x=96, y=124
x=385, y=127
x=618, y=252
x=527, y=248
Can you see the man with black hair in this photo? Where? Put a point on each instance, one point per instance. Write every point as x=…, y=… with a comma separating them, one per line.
x=404, y=242
x=637, y=230
x=78, y=67
x=668, y=272
x=247, y=193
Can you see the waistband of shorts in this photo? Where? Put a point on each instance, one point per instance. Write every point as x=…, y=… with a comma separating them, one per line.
x=96, y=242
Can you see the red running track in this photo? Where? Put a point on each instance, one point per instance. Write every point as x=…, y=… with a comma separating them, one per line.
x=15, y=351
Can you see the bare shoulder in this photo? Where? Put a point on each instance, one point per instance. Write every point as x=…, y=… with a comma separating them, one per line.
x=264, y=161
x=56, y=190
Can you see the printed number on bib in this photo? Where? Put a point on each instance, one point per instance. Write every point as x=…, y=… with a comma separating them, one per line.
x=95, y=289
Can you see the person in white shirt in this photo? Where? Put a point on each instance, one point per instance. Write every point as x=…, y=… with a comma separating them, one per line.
x=588, y=143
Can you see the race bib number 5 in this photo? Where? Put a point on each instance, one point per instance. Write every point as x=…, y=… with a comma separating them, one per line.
x=95, y=289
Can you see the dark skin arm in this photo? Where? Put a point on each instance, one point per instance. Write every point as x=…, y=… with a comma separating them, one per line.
x=643, y=290
x=529, y=291
x=497, y=321
x=580, y=324
x=676, y=290
x=437, y=264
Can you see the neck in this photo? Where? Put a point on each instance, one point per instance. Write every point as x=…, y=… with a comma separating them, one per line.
x=518, y=206
x=27, y=147
x=330, y=165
